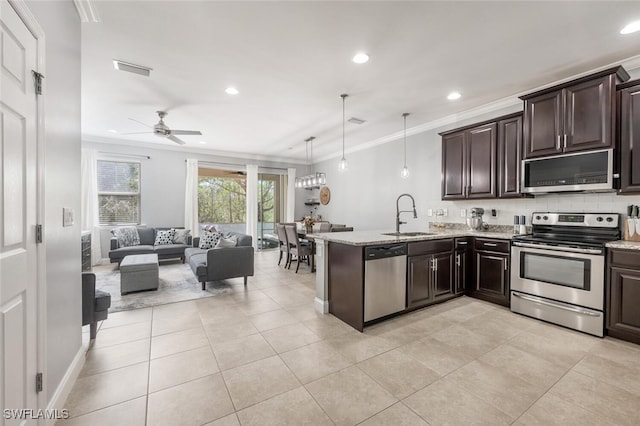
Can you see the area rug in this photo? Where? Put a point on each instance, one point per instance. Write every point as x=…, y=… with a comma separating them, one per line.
x=177, y=284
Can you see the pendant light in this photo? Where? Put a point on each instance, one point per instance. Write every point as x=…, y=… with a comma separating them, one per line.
x=404, y=174
x=314, y=180
x=343, y=165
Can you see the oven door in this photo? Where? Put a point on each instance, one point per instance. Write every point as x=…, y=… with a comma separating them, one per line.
x=570, y=277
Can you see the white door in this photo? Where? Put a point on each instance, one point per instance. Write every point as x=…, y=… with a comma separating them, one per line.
x=18, y=204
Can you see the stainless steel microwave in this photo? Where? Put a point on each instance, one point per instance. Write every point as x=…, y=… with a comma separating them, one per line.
x=582, y=171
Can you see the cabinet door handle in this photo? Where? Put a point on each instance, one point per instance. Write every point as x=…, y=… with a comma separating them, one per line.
x=490, y=244
x=506, y=265
x=458, y=259
x=462, y=243
x=558, y=143
x=435, y=265
x=565, y=141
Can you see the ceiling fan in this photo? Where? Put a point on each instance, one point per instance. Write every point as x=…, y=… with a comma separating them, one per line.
x=162, y=130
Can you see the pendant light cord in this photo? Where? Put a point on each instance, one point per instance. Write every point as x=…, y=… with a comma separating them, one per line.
x=343, y=96
x=405, y=138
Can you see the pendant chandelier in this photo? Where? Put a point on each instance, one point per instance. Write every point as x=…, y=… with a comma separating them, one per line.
x=404, y=174
x=311, y=180
x=343, y=165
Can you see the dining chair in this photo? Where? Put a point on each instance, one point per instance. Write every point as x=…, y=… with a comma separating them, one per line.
x=284, y=244
x=296, y=247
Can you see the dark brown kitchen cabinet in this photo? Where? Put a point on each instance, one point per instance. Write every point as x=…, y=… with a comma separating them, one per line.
x=576, y=116
x=462, y=260
x=453, y=166
x=469, y=162
x=491, y=267
x=629, y=137
x=509, y=156
x=429, y=272
x=623, y=295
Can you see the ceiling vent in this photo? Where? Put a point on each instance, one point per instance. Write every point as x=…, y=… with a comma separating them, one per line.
x=356, y=120
x=129, y=67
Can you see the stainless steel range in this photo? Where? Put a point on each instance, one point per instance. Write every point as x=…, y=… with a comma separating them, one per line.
x=558, y=273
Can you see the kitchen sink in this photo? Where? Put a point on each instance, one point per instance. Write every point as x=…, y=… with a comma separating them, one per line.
x=405, y=234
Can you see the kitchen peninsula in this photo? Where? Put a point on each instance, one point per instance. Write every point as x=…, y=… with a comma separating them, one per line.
x=367, y=276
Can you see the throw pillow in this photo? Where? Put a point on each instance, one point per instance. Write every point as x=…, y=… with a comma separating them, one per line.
x=127, y=236
x=181, y=236
x=232, y=241
x=164, y=238
x=209, y=240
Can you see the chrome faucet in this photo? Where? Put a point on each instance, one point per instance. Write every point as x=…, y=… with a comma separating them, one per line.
x=398, y=211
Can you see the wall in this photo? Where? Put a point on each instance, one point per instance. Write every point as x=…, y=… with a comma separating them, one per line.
x=61, y=25
x=162, y=180
x=365, y=195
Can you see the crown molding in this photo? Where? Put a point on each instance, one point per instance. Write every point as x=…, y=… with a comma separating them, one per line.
x=191, y=150
x=87, y=11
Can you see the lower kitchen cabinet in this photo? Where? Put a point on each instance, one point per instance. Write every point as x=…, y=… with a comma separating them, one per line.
x=462, y=261
x=430, y=274
x=623, y=295
x=491, y=266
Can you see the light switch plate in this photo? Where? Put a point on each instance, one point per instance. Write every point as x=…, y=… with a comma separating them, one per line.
x=463, y=212
x=445, y=212
x=67, y=216
x=430, y=212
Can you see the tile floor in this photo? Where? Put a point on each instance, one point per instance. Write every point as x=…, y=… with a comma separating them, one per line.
x=263, y=356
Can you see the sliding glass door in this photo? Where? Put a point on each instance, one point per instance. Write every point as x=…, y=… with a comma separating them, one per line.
x=271, y=202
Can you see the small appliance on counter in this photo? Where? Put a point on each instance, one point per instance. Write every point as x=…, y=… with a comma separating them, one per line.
x=475, y=222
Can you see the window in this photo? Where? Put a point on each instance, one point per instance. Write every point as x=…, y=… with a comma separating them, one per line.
x=118, y=192
x=222, y=198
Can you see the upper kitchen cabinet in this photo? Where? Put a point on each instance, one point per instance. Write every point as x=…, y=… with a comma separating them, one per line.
x=469, y=162
x=576, y=116
x=629, y=137
x=509, y=155
x=483, y=160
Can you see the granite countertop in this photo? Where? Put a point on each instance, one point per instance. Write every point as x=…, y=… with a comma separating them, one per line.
x=628, y=245
x=365, y=238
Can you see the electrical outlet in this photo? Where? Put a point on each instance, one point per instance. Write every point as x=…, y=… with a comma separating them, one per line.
x=463, y=212
x=445, y=212
x=494, y=213
x=430, y=212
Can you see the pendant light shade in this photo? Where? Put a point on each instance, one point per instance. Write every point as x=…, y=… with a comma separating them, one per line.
x=404, y=173
x=343, y=165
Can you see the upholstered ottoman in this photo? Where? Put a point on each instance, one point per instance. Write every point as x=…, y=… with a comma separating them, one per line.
x=139, y=272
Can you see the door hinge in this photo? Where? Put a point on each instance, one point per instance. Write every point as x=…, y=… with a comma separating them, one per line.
x=38, y=234
x=37, y=81
x=39, y=382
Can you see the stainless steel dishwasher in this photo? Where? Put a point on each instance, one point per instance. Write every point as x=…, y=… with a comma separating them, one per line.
x=385, y=280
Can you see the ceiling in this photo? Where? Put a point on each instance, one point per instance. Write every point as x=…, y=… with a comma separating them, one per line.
x=291, y=61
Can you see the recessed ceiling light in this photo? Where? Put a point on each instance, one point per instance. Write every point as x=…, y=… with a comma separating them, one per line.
x=631, y=28
x=129, y=67
x=361, y=58
x=231, y=91
x=453, y=96
x=203, y=143
x=112, y=131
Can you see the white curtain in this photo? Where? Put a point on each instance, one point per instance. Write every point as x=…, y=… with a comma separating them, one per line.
x=89, y=214
x=252, y=202
x=191, y=198
x=291, y=195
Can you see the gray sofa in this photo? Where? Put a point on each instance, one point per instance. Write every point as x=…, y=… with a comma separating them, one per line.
x=221, y=263
x=147, y=239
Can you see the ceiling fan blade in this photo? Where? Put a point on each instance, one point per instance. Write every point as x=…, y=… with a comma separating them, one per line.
x=136, y=133
x=145, y=125
x=186, y=132
x=176, y=140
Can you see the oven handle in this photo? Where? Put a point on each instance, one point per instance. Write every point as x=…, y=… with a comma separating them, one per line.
x=555, y=305
x=556, y=248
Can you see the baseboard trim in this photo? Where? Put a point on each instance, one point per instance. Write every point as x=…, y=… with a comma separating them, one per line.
x=59, y=398
x=321, y=306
